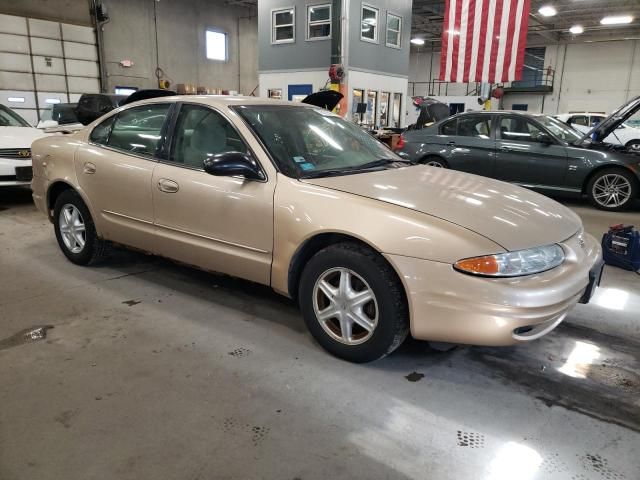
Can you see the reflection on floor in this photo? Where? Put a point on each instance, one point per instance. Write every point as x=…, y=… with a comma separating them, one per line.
x=154, y=370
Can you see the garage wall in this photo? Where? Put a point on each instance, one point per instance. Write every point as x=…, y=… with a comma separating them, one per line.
x=597, y=76
x=44, y=62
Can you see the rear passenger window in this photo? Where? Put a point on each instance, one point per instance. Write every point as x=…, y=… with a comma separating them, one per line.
x=474, y=126
x=138, y=129
x=100, y=133
x=448, y=128
x=579, y=120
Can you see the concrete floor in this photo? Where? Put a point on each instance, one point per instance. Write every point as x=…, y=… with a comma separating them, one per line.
x=157, y=371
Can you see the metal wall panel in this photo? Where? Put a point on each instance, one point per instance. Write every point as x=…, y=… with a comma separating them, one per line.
x=48, y=65
x=30, y=116
x=51, y=83
x=76, y=33
x=83, y=85
x=13, y=24
x=44, y=28
x=14, y=43
x=16, y=81
x=29, y=99
x=15, y=62
x=80, y=51
x=74, y=97
x=49, y=98
x=82, y=68
x=46, y=47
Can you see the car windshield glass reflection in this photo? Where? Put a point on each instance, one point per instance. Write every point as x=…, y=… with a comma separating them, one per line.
x=560, y=129
x=8, y=118
x=309, y=142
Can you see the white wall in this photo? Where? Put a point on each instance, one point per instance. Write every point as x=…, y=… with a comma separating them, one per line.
x=598, y=76
x=282, y=80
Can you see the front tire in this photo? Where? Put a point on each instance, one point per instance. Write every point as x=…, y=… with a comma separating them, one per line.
x=612, y=189
x=75, y=230
x=434, y=161
x=353, y=303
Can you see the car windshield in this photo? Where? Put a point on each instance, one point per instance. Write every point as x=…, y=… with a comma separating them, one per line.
x=311, y=142
x=560, y=129
x=9, y=118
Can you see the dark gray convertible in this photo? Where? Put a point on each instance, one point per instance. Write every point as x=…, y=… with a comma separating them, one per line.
x=535, y=151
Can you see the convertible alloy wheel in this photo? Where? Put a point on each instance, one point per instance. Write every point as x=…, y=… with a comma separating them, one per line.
x=345, y=306
x=611, y=190
x=72, y=228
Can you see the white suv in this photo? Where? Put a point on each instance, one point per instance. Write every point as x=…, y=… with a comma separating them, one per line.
x=626, y=134
x=16, y=136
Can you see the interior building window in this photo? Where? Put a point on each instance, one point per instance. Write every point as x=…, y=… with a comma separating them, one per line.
x=394, y=30
x=283, y=25
x=369, y=24
x=275, y=93
x=397, y=106
x=318, y=22
x=372, y=107
x=358, y=106
x=383, y=114
x=216, y=45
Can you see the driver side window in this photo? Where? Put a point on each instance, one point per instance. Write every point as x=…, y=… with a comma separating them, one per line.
x=200, y=133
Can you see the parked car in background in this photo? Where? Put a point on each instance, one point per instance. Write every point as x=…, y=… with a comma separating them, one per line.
x=627, y=133
x=534, y=151
x=292, y=196
x=16, y=136
x=59, y=114
x=93, y=105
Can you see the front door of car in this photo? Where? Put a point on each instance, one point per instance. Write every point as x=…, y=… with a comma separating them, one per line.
x=115, y=169
x=526, y=157
x=472, y=149
x=217, y=223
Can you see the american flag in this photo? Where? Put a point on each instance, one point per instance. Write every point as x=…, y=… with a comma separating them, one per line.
x=484, y=40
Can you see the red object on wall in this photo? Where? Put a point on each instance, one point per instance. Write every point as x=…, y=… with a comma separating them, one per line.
x=498, y=93
x=336, y=73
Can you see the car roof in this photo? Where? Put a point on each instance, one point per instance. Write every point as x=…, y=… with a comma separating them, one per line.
x=220, y=100
x=496, y=112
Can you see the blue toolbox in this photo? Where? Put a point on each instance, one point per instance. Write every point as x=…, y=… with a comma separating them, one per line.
x=621, y=247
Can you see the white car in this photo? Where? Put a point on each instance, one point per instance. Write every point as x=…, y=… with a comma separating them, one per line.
x=16, y=136
x=626, y=134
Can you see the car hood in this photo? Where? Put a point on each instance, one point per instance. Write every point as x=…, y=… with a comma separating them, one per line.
x=19, y=137
x=613, y=121
x=511, y=216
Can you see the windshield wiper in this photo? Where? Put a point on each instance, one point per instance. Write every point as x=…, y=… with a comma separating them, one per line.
x=376, y=164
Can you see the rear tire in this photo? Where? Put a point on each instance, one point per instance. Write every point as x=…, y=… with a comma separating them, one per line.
x=360, y=300
x=633, y=145
x=75, y=230
x=434, y=161
x=612, y=189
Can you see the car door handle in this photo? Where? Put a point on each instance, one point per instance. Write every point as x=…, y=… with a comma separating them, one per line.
x=89, y=168
x=453, y=144
x=167, y=186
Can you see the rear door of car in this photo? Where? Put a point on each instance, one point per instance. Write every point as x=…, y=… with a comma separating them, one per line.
x=521, y=158
x=472, y=148
x=115, y=169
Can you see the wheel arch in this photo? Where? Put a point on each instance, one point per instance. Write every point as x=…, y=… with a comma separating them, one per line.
x=319, y=241
x=597, y=170
x=56, y=188
x=423, y=159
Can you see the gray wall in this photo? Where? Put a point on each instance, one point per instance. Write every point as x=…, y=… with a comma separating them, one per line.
x=302, y=54
x=378, y=57
x=130, y=34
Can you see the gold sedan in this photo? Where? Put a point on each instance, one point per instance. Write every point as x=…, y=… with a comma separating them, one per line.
x=292, y=196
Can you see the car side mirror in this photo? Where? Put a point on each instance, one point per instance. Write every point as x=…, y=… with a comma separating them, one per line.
x=544, y=138
x=231, y=164
x=47, y=124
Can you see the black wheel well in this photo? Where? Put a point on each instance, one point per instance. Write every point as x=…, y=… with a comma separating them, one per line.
x=632, y=141
x=54, y=192
x=312, y=246
x=596, y=171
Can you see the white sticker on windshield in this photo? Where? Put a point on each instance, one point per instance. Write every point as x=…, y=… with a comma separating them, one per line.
x=299, y=159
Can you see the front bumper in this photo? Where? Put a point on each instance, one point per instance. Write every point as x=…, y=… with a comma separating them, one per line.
x=15, y=171
x=449, y=306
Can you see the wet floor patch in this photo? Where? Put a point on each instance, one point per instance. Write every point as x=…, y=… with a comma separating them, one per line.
x=28, y=335
x=414, y=376
x=574, y=367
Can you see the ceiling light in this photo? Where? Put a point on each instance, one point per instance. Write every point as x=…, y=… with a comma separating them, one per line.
x=616, y=20
x=577, y=29
x=547, y=11
x=417, y=41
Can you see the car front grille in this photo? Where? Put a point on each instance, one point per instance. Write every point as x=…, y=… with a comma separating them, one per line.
x=19, y=153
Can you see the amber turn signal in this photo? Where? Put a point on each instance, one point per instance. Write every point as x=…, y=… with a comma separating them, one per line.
x=480, y=265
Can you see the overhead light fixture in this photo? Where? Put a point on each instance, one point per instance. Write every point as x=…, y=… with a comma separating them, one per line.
x=547, y=11
x=417, y=41
x=621, y=20
x=577, y=29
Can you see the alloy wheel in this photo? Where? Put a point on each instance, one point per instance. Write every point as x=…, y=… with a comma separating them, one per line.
x=435, y=163
x=611, y=190
x=345, y=306
x=72, y=228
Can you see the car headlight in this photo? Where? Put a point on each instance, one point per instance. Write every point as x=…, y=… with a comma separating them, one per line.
x=513, y=264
